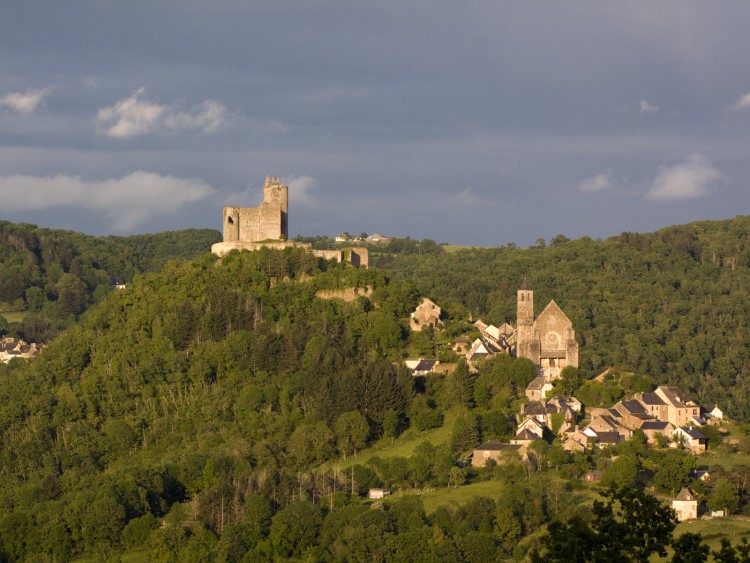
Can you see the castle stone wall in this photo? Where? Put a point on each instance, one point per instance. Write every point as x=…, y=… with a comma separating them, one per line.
x=268, y=221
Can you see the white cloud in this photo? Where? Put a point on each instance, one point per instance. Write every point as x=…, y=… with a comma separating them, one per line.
x=209, y=118
x=596, y=184
x=24, y=103
x=128, y=202
x=691, y=179
x=137, y=115
x=743, y=101
x=646, y=107
x=299, y=190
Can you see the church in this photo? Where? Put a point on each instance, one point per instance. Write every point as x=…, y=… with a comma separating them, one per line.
x=547, y=340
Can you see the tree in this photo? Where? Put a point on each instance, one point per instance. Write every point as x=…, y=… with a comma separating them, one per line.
x=295, y=528
x=460, y=386
x=570, y=380
x=674, y=472
x=689, y=548
x=724, y=496
x=622, y=473
x=465, y=436
x=507, y=528
x=390, y=424
x=629, y=526
x=351, y=430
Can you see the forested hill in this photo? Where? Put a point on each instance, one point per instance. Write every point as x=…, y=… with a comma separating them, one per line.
x=214, y=382
x=192, y=414
x=673, y=304
x=57, y=274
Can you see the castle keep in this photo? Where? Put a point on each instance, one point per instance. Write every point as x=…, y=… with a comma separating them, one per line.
x=267, y=226
x=268, y=221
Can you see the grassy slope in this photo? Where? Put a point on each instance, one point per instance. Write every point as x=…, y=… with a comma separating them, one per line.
x=15, y=316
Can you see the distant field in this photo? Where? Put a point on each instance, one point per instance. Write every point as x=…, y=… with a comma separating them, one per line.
x=15, y=316
x=458, y=247
x=712, y=530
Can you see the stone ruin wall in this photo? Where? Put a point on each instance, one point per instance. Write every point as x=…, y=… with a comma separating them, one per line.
x=349, y=294
x=268, y=221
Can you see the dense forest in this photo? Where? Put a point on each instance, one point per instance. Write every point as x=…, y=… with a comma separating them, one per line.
x=57, y=274
x=217, y=409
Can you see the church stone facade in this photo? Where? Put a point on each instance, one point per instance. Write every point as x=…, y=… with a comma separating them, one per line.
x=547, y=340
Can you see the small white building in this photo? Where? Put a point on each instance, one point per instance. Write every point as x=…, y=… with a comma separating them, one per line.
x=685, y=505
x=378, y=493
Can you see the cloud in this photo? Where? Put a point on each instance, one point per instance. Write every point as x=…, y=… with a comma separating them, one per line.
x=24, y=103
x=466, y=197
x=299, y=190
x=596, y=184
x=743, y=102
x=137, y=115
x=646, y=107
x=689, y=180
x=129, y=201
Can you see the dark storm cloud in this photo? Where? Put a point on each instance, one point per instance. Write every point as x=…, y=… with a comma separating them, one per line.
x=484, y=122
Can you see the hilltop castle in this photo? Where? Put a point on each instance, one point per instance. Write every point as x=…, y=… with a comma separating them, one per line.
x=267, y=226
x=268, y=221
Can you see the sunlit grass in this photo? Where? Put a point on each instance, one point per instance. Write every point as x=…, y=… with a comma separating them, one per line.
x=403, y=446
x=14, y=316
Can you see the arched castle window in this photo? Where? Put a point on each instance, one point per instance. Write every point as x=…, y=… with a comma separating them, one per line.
x=230, y=220
x=522, y=297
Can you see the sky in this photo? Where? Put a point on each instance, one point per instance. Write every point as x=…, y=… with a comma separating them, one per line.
x=480, y=123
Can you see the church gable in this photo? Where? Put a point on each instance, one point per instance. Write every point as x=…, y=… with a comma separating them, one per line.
x=553, y=317
x=553, y=329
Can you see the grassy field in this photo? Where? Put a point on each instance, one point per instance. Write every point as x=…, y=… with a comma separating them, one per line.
x=15, y=316
x=712, y=530
x=403, y=446
x=455, y=496
x=725, y=460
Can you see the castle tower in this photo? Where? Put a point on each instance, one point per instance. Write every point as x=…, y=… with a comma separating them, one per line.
x=277, y=194
x=231, y=224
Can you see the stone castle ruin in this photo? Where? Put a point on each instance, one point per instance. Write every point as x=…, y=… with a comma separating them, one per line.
x=267, y=226
x=269, y=221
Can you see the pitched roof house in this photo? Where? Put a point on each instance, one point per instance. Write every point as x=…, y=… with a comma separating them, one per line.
x=480, y=349
x=537, y=389
x=691, y=439
x=494, y=450
x=426, y=314
x=653, y=427
x=685, y=505
x=679, y=407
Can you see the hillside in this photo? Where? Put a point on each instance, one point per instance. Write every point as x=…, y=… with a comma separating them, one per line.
x=670, y=304
x=49, y=277
x=217, y=409
x=204, y=376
